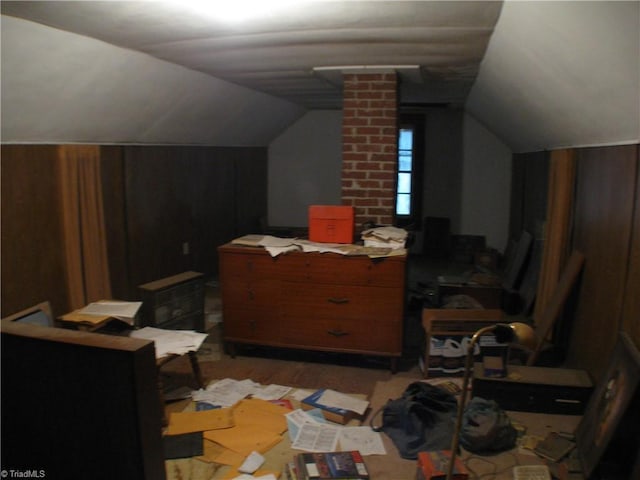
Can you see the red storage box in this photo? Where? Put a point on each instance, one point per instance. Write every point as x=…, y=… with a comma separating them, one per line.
x=331, y=224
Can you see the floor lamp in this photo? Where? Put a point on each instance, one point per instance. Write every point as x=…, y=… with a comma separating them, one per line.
x=514, y=333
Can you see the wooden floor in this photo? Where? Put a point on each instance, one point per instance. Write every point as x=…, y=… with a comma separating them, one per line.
x=301, y=369
x=354, y=374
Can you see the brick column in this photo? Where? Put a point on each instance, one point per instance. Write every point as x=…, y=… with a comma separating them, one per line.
x=369, y=146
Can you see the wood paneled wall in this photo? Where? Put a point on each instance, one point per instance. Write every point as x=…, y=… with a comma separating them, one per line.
x=167, y=196
x=529, y=183
x=605, y=229
x=33, y=267
x=631, y=300
x=156, y=199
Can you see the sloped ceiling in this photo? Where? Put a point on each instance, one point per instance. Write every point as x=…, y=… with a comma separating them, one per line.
x=538, y=74
x=439, y=42
x=561, y=74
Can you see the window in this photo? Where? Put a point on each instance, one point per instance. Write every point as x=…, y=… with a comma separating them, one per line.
x=405, y=171
x=409, y=181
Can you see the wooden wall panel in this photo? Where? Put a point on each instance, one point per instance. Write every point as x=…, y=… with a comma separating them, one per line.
x=631, y=308
x=32, y=244
x=516, y=210
x=529, y=184
x=155, y=199
x=605, y=196
x=113, y=192
x=251, y=201
x=203, y=196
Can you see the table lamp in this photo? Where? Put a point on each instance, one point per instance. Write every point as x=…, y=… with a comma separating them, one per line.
x=515, y=333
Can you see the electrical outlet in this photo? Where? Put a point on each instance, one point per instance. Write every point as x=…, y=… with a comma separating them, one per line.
x=185, y=248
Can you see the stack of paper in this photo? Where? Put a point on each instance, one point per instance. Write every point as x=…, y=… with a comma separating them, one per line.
x=389, y=237
x=100, y=312
x=171, y=342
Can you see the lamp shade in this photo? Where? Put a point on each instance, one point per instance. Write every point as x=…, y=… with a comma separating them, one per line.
x=516, y=332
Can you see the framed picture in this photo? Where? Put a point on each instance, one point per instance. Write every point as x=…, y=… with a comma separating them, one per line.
x=608, y=404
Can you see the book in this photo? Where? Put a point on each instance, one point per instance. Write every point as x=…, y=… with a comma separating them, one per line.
x=333, y=414
x=531, y=472
x=434, y=465
x=554, y=447
x=331, y=465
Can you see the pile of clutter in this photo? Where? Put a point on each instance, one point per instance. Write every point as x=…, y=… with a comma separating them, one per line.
x=385, y=237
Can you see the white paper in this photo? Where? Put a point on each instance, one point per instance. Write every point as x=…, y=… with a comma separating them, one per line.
x=300, y=394
x=247, y=476
x=297, y=418
x=316, y=437
x=364, y=439
x=386, y=233
x=271, y=392
x=270, y=241
x=168, y=342
x=113, y=308
x=251, y=463
x=226, y=392
x=331, y=398
x=275, y=251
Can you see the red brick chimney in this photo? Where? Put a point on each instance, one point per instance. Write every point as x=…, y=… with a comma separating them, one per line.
x=369, y=146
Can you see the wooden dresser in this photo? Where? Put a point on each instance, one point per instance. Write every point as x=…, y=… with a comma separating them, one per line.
x=313, y=301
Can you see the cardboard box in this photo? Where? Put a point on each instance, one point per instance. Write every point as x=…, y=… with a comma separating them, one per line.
x=447, y=332
x=331, y=224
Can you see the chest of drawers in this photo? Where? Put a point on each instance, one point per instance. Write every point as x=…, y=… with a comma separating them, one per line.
x=314, y=301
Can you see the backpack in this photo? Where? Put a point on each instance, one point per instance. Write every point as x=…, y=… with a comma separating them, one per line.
x=486, y=429
x=422, y=419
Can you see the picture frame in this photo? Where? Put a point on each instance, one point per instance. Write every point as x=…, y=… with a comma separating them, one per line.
x=608, y=404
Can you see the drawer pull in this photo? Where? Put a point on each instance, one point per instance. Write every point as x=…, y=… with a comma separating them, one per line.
x=338, y=301
x=337, y=333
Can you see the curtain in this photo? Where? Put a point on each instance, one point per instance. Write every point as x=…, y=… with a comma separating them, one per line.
x=83, y=224
x=562, y=172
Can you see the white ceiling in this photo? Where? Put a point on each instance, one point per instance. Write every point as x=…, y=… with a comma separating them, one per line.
x=538, y=74
x=278, y=53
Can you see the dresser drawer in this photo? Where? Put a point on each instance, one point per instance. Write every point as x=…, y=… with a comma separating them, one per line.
x=247, y=266
x=250, y=323
x=343, y=270
x=301, y=301
x=249, y=293
x=344, y=334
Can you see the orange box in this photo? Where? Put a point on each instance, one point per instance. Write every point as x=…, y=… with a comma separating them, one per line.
x=331, y=223
x=434, y=465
